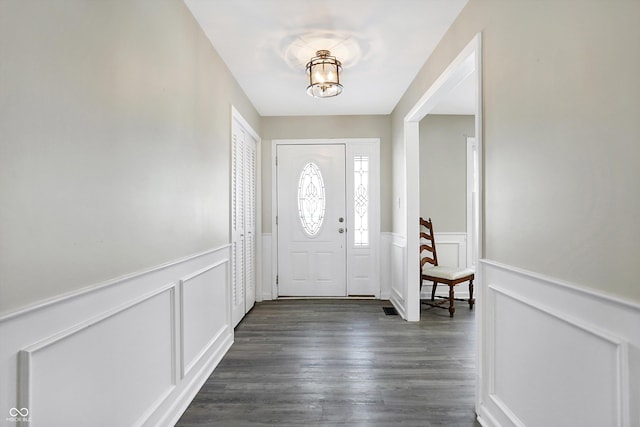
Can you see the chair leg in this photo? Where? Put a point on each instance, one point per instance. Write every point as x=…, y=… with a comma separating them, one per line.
x=433, y=291
x=452, y=309
x=471, y=299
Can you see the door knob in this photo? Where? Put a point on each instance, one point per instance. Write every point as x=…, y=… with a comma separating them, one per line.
x=340, y=230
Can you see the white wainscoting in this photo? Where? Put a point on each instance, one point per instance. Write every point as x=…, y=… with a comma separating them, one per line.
x=452, y=249
x=398, y=262
x=385, y=265
x=133, y=351
x=554, y=354
x=268, y=276
x=452, y=252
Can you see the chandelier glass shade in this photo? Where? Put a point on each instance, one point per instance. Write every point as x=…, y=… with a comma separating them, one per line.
x=324, y=75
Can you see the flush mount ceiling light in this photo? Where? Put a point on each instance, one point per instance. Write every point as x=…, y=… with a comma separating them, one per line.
x=324, y=75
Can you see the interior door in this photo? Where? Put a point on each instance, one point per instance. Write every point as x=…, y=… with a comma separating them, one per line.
x=243, y=222
x=311, y=220
x=250, y=223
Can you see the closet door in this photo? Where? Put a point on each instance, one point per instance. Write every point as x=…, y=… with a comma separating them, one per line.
x=249, y=174
x=237, y=226
x=243, y=222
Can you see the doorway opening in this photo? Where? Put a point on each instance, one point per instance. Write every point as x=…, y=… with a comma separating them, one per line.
x=467, y=63
x=447, y=196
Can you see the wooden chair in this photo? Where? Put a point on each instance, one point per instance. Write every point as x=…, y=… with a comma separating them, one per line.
x=431, y=271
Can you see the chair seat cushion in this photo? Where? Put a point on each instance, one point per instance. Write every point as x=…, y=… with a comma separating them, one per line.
x=449, y=273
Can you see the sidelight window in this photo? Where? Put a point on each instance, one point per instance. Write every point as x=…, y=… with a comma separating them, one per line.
x=361, y=200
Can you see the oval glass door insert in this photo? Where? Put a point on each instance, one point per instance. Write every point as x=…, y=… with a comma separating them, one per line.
x=311, y=199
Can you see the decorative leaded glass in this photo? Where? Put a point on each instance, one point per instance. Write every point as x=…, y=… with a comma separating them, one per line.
x=361, y=200
x=311, y=199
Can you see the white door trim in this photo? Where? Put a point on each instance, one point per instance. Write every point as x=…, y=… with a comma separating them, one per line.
x=468, y=61
x=351, y=145
x=472, y=203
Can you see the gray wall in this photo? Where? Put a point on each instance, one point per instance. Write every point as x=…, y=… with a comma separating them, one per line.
x=327, y=127
x=114, y=148
x=443, y=170
x=560, y=117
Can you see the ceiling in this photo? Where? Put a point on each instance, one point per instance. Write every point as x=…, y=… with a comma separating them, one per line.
x=382, y=45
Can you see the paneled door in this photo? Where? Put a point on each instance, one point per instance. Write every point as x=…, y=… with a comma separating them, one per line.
x=311, y=220
x=243, y=222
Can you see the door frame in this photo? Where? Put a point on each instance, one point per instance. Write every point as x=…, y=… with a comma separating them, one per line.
x=350, y=144
x=472, y=205
x=468, y=61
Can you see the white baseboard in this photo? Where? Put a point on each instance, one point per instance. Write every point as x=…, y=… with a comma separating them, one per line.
x=553, y=353
x=173, y=410
x=133, y=351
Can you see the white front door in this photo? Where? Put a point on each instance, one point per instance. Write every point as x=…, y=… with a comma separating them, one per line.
x=311, y=220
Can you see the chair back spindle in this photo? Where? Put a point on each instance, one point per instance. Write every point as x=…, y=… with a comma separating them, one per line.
x=427, y=243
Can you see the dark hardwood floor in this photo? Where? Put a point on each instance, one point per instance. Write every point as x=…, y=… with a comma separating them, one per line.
x=342, y=363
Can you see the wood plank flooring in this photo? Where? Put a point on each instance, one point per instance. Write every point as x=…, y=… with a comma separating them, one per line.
x=342, y=363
